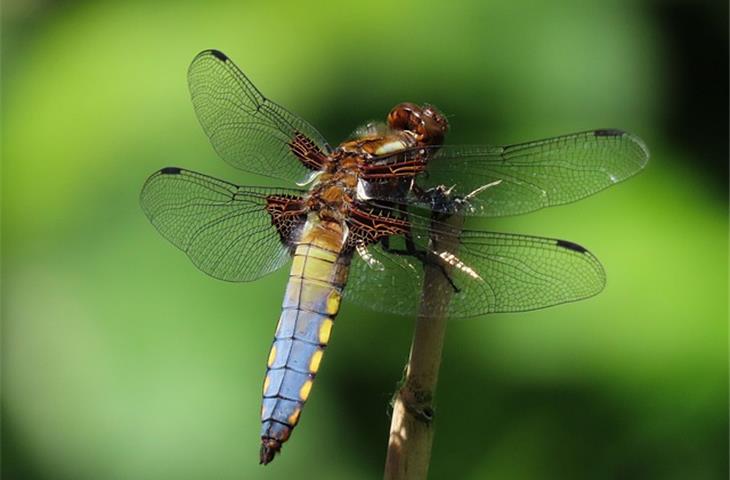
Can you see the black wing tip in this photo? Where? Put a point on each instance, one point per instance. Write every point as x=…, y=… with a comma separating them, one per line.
x=571, y=246
x=616, y=132
x=171, y=171
x=153, y=178
x=217, y=54
x=211, y=52
x=609, y=132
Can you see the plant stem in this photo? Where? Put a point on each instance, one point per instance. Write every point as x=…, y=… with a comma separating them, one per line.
x=411, y=428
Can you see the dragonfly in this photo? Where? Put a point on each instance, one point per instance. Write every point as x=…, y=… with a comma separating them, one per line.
x=364, y=220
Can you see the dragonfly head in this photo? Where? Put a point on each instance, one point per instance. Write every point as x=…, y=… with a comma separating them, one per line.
x=425, y=121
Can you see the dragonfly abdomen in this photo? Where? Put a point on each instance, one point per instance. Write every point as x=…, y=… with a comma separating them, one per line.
x=310, y=305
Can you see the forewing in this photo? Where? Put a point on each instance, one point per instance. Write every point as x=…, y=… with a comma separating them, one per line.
x=248, y=130
x=489, y=273
x=225, y=229
x=529, y=176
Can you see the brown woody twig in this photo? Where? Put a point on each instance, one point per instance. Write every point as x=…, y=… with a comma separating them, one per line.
x=411, y=428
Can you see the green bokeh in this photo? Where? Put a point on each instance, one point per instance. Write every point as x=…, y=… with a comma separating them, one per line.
x=122, y=361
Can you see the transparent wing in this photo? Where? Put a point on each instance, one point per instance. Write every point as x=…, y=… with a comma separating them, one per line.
x=224, y=229
x=247, y=130
x=529, y=176
x=490, y=273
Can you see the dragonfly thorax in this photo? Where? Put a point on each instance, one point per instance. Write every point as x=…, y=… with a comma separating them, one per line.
x=333, y=192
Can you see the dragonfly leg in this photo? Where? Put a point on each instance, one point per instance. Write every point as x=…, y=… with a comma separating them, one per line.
x=438, y=198
x=422, y=255
x=442, y=199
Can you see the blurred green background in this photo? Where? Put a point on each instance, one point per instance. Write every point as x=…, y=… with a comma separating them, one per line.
x=121, y=361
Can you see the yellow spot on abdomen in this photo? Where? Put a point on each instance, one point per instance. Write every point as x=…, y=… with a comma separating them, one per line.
x=272, y=356
x=267, y=381
x=304, y=391
x=325, y=330
x=294, y=417
x=333, y=302
x=315, y=361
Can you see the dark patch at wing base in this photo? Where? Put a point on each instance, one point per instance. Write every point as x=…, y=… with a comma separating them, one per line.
x=308, y=152
x=368, y=226
x=288, y=214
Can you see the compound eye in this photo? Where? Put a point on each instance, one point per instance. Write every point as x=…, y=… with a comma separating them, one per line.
x=426, y=122
x=404, y=116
